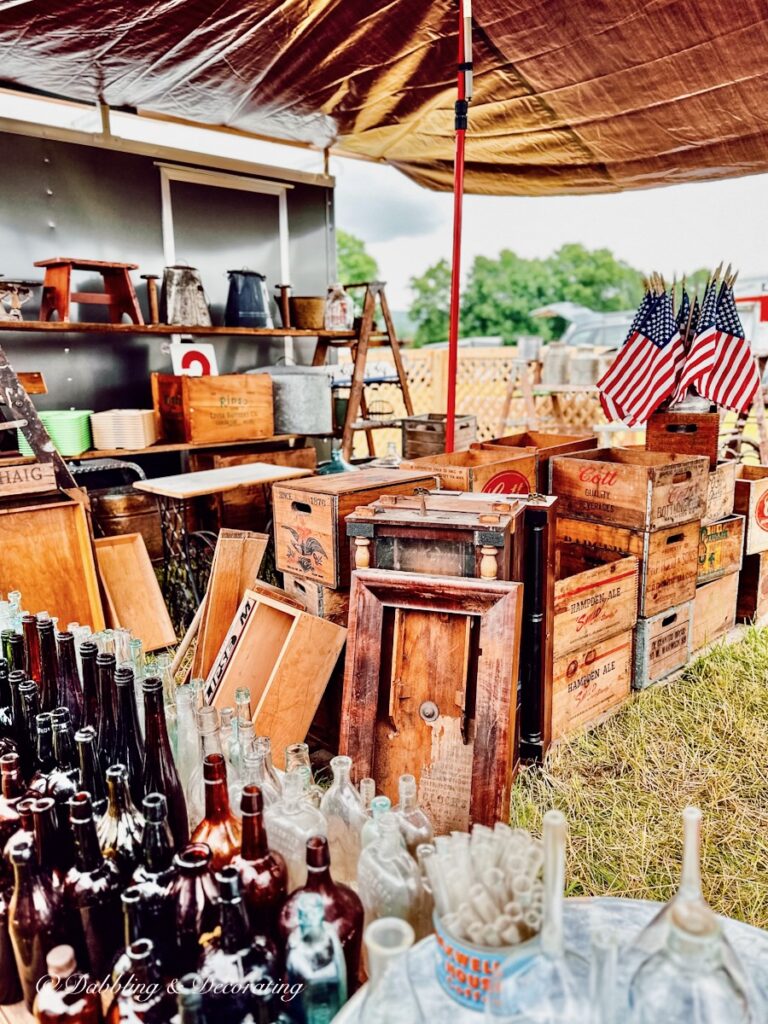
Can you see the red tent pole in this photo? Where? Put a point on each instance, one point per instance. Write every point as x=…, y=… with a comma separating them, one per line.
x=464, y=94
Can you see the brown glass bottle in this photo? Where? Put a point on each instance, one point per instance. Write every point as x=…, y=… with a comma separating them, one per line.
x=120, y=829
x=92, y=888
x=219, y=829
x=70, y=690
x=133, y=930
x=194, y=894
x=160, y=775
x=12, y=789
x=147, y=1001
x=31, y=647
x=88, y=654
x=128, y=746
x=153, y=878
x=10, y=986
x=105, y=727
x=47, y=846
x=67, y=997
x=343, y=908
x=49, y=669
x=91, y=773
x=263, y=874
x=25, y=833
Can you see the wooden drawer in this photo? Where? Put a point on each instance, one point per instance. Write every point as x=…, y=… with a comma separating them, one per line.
x=720, y=546
x=590, y=682
x=202, y=410
x=592, y=601
x=662, y=644
x=547, y=446
x=714, y=609
x=751, y=501
x=500, y=471
x=631, y=487
x=684, y=433
x=668, y=558
x=753, y=588
x=317, y=599
x=721, y=492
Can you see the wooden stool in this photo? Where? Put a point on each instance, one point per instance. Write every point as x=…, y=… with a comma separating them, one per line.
x=118, y=294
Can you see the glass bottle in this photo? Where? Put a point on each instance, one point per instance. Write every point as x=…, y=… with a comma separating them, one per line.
x=48, y=849
x=162, y=668
x=137, y=663
x=6, y=713
x=190, y=754
x=263, y=874
x=31, y=647
x=603, y=970
x=343, y=909
x=244, y=720
x=12, y=789
x=16, y=678
x=67, y=997
x=93, y=888
x=313, y=794
x=16, y=657
x=414, y=823
x=315, y=964
x=297, y=756
x=91, y=773
x=210, y=743
x=237, y=958
x=229, y=738
x=290, y=822
x=128, y=746
x=189, y=995
x=133, y=930
x=390, y=998
x=49, y=669
x=88, y=653
x=390, y=459
x=338, y=463
x=219, y=829
x=389, y=879
x=194, y=895
x=153, y=878
x=147, y=1000
x=70, y=691
x=160, y=775
x=10, y=986
x=121, y=827
x=380, y=805
x=45, y=759
x=367, y=793
x=264, y=743
x=105, y=726
x=345, y=814
x=63, y=739
x=25, y=833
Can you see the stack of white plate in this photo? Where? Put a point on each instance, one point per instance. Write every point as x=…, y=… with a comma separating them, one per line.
x=123, y=428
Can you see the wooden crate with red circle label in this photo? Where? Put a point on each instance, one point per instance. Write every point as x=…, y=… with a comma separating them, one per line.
x=500, y=471
x=751, y=500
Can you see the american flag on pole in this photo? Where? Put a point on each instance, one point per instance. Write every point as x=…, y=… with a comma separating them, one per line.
x=646, y=368
x=733, y=377
x=701, y=354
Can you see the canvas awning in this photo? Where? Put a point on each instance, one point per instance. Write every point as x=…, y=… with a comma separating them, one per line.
x=571, y=96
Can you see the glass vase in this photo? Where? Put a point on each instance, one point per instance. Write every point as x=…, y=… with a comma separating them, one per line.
x=390, y=998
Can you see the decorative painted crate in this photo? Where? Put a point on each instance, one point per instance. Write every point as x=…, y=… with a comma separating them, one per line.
x=546, y=445
x=668, y=558
x=684, y=433
x=202, y=410
x=425, y=434
x=662, y=644
x=502, y=471
x=721, y=492
x=594, y=599
x=714, y=609
x=590, y=682
x=720, y=547
x=751, y=500
x=753, y=588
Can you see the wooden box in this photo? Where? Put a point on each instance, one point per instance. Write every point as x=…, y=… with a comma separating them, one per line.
x=714, y=609
x=592, y=601
x=425, y=434
x=546, y=445
x=721, y=492
x=208, y=410
x=591, y=682
x=751, y=501
x=438, y=536
x=720, y=547
x=662, y=644
x=631, y=487
x=317, y=599
x=430, y=688
x=501, y=471
x=668, y=558
x=684, y=433
x=753, y=588
x=133, y=596
x=309, y=516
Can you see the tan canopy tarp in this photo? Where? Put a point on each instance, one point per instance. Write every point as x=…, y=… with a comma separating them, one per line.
x=570, y=95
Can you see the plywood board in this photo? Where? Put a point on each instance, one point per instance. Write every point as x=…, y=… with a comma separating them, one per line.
x=217, y=481
x=134, y=598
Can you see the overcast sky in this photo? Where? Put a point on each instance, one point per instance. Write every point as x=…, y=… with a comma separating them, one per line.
x=407, y=228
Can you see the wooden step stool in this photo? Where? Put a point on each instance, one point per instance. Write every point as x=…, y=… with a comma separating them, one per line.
x=119, y=293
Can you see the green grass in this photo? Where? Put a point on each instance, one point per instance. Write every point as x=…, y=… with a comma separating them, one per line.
x=701, y=740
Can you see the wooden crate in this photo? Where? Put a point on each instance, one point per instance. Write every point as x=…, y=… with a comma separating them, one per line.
x=207, y=410
x=684, y=433
x=430, y=688
x=631, y=487
x=721, y=492
x=720, y=548
x=547, y=445
x=589, y=683
x=309, y=516
x=501, y=471
x=317, y=599
x=668, y=558
x=714, y=609
x=425, y=434
x=592, y=601
x=753, y=588
x=662, y=644
x=751, y=501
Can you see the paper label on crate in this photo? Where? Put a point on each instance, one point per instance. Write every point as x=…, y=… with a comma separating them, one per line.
x=761, y=511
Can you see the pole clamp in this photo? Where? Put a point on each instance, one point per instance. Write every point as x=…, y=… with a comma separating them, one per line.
x=462, y=110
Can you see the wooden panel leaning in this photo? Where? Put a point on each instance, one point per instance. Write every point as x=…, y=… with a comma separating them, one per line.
x=500, y=471
x=684, y=433
x=751, y=501
x=631, y=487
x=201, y=410
x=720, y=547
x=753, y=588
x=714, y=609
x=662, y=644
x=430, y=688
x=547, y=446
x=590, y=683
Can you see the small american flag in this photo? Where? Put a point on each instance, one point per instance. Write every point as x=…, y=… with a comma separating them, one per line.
x=701, y=354
x=733, y=377
x=644, y=372
x=683, y=312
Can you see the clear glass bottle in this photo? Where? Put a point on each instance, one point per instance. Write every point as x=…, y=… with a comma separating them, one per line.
x=297, y=756
x=121, y=827
x=255, y=773
x=290, y=822
x=210, y=743
x=367, y=789
x=264, y=743
x=244, y=724
x=189, y=752
x=390, y=998
x=220, y=829
x=345, y=815
x=228, y=734
x=389, y=880
x=390, y=459
x=138, y=664
x=380, y=805
x=414, y=822
x=315, y=963
x=603, y=977
x=162, y=668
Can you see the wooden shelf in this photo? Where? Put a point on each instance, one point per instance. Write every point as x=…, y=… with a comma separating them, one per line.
x=376, y=424
x=161, y=448
x=76, y=327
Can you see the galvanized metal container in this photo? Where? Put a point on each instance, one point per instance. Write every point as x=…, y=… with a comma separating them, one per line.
x=302, y=399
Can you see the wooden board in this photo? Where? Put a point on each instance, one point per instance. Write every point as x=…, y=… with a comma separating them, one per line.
x=714, y=609
x=319, y=600
x=751, y=501
x=753, y=588
x=592, y=602
x=631, y=487
x=662, y=644
x=720, y=548
x=31, y=478
x=721, y=492
x=217, y=481
x=47, y=555
x=229, y=407
x=547, y=446
x=668, y=558
x=133, y=595
x=430, y=686
x=496, y=471
x=684, y=433
x=590, y=682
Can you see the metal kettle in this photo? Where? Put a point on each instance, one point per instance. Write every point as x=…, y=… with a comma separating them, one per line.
x=248, y=300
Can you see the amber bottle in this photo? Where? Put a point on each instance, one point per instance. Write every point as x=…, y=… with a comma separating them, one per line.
x=145, y=1000
x=105, y=726
x=70, y=691
x=343, y=908
x=263, y=874
x=91, y=773
x=153, y=878
x=65, y=998
x=219, y=829
x=12, y=789
x=49, y=669
x=88, y=654
x=195, y=895
x=10, y=986
x=48, y=848
x=128, y=746
x=25, y=833
x=31, y=647
x=160, y=775
x=121, y=827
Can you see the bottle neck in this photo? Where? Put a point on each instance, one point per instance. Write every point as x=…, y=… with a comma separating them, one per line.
x=234, y=926
x=132, y=924
x=88, y=854
x=46, y=837
x=319, y=877
x=31, y=648
x=67, y=660
x=48, y=667
x=216, y=799
x=91, y=775
x=157, y=847
x=254, y=837
x=117, y=795
x=690, y=881
x=46, y=760
x=211, y=742
x=127, y=720
x=155, y=729
x=12, y=784
x=64, y=747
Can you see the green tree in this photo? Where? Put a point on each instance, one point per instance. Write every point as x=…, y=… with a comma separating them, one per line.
x=429, y=309
x=354, y=264
x=594, y=278
x=501, y=293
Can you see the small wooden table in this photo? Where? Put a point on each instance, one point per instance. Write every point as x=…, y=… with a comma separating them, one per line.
x=187, y=555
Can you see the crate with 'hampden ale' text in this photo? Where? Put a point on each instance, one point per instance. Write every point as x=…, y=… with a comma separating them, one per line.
x=590, y=682
x=751, y=501
x=662, y=644
x=631, y=487
x=720, y=547
x=595, y=598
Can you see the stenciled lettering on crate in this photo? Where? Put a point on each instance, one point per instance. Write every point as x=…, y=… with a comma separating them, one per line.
x=751, y=501
x=593, y=599
x=589, y=683
x=662, y=644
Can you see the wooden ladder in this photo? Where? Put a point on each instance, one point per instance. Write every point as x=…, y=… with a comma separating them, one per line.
x=358, y=405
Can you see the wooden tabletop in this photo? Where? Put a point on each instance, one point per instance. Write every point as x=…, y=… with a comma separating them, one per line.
x=216, y=481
